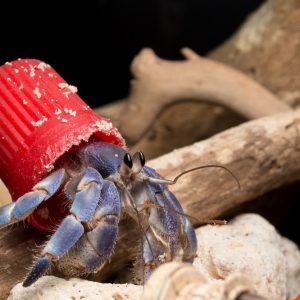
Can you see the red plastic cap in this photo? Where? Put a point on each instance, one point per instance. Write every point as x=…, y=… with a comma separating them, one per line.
x=41, y=117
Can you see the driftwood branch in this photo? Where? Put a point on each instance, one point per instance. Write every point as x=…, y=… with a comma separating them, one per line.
x=17, y=244
x=179, y=125
x=159, y=83
x=266, y=46
x=263, y=154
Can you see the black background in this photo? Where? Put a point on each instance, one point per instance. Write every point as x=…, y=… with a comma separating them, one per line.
x=91, y=43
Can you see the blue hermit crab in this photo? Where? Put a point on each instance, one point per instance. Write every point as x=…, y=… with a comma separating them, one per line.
x=69, y=174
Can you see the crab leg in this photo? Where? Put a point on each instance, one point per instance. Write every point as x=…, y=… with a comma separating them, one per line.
x=153, y=253
x=103, y=237
x=168, y=226
x=187, y=233
x=97, y=245
x=169, y=201
x=160, y=245
x=164, y=224
x=26, y=204
x=71, y=229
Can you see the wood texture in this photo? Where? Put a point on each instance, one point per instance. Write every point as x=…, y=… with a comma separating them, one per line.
x=17, y=245
x=159, y=83
x=263, y=154
x=267, y=47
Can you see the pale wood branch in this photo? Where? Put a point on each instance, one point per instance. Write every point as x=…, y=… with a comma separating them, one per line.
x=159, y=83
x=263, y=154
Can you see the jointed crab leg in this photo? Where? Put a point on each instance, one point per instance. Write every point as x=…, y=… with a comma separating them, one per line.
x=87, y=196
x=162, y=234
x=71, y=229
x=106, y=220
x=25, y=205
x=153, y=252
x=187, y=234
x=96, y=245
x=165, y=226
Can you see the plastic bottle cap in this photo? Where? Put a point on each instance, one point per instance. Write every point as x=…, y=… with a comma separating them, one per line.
x=41, y=117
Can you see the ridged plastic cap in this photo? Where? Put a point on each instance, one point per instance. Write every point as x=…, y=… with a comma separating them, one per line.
x=41, y=117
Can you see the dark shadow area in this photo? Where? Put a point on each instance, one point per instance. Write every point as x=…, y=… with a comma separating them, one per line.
x=280, y=207
x=91, y=43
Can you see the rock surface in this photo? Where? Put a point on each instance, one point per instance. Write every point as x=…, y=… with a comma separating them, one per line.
x=248, y=245
x=50, y=287
x=251, y=246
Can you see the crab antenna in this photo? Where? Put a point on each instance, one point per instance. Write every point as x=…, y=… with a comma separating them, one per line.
x=170, y=182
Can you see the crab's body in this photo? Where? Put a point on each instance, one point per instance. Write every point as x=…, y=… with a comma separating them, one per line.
x=98, y=183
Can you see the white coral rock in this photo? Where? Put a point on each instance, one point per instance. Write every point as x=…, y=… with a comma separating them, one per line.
x=50, y=287
x=250, y=245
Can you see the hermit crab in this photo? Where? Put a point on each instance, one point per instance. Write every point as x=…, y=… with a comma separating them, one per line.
x=69, y=174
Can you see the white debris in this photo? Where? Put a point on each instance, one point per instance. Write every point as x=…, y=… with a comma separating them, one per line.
x=63, y=85
x=70, y=112
x=24, y=101
x=67, y=94
x=50, y=74
x=8, y=79
x=42, y=66
x=64, y=120
x=16, y=71
x=37, y=92
x=8, y=63
x=32, y=71
x=103, y=125
x=73, y=89
x=40, y=122
x=21, y=86
x=57, y=111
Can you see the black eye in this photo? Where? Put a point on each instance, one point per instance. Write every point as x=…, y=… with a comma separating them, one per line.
x=142, y=158
x=128, y=160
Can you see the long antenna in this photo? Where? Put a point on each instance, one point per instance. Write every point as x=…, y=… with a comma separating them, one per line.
x=170, y=182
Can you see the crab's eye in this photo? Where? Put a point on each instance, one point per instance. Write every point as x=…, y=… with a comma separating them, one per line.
x=128, y=160
x=142, y=158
